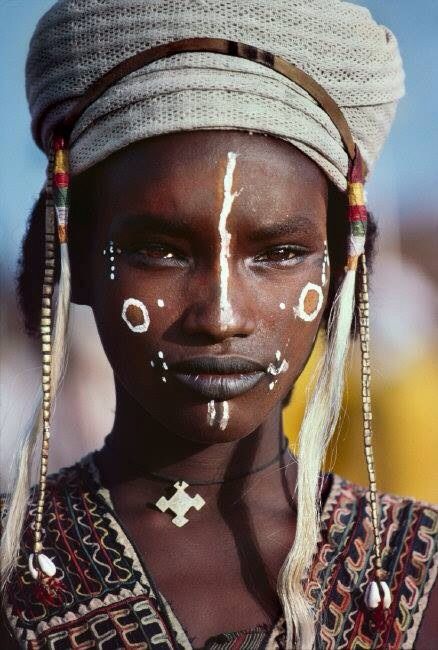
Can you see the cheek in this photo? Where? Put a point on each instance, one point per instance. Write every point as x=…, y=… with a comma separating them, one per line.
x=293, y=320
x=132, y=317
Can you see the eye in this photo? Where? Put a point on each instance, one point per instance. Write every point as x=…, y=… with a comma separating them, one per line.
x=157, y=251
x=158, y=254
x=281, y=254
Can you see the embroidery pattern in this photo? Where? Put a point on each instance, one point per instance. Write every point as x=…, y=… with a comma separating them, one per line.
x=110, y=601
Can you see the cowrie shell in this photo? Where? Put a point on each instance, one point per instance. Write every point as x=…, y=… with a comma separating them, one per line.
x=46, y=565
x=373, y=598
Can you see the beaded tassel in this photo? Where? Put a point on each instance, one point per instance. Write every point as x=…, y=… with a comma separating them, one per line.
x=377, y=593
x=41, y=567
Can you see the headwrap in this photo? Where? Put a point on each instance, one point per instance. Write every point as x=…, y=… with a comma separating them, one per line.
x=337, y=43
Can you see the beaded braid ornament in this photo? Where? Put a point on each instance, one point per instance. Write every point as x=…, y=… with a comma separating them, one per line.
x=42, y=569
x=377, y=593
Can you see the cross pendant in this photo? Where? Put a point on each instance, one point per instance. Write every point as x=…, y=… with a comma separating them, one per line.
x=179, y=503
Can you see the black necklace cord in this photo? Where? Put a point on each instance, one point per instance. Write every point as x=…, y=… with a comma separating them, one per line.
x=177, y=479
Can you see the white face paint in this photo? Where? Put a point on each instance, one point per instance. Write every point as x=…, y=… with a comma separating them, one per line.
x=160, y=361
x=160, y=302
x=218, y=416
x=302, y=310
x=211, y=413
x=225, y=416
x=226, y=312
x=325, y=265
x=282, y=306
x=275, y=370
x=138, y=305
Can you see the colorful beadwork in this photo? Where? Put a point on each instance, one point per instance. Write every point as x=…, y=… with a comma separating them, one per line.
x=357, y=211
x=61, y=180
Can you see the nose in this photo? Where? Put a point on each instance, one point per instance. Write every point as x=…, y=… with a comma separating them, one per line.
x=219, y=314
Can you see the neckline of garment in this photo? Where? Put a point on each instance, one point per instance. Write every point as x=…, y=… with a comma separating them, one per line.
x=132, y=551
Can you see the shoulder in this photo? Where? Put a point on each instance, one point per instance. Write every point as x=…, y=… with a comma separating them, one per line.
x=102, y=590
x=408, y=529
x=399, y=516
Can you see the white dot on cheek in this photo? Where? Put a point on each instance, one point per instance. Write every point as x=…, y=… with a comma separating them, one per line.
x=160, y=302
x=282, y=306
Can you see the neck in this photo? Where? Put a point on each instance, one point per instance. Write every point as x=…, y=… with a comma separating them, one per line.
x=139, y=445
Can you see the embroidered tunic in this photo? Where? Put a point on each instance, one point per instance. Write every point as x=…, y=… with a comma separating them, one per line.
x=110, y=601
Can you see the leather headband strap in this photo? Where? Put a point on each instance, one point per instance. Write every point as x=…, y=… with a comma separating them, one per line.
x=217, y=46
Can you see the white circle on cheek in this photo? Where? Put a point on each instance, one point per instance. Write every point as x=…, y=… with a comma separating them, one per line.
x=160, y=302
x=142, y=327
x=300, y=310
x=282, y=306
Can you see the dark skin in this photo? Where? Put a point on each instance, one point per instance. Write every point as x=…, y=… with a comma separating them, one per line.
x=160, y=200
x=278, y=226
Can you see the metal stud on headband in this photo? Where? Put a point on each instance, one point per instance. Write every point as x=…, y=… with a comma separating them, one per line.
x=377, y=595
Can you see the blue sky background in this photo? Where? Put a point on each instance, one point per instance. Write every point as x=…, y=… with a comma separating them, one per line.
x=406, y=171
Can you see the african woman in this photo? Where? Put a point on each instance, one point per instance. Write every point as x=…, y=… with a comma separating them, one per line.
x=205, y=198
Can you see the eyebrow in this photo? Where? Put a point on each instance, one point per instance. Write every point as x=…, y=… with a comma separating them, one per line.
x=141, y=223
x=292, y=226
x=179, y=227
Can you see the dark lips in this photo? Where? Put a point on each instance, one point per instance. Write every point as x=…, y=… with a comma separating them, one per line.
x=218, y=378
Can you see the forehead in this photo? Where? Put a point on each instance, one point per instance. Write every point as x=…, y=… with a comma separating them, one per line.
x=183, y=174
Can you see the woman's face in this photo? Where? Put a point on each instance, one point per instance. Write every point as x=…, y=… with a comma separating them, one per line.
x=209, y=298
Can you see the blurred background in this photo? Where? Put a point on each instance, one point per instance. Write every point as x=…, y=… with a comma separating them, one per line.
x=403, y=194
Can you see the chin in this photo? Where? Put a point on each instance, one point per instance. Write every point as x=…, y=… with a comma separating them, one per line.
x=206, y=424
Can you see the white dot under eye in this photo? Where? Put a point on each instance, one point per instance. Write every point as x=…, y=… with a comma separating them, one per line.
x=160, y=302
x=282, y=306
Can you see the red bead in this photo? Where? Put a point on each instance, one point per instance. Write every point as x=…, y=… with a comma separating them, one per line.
x=48, y=591
x=62, y=179
x=59, y=142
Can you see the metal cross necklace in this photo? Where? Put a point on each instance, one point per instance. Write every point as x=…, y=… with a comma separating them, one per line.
x=180, y=502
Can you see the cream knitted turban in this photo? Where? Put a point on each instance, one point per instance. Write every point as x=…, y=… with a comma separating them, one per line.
x=337, y=43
